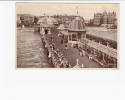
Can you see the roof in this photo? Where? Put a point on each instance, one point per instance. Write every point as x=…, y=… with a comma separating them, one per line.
x=109, y=34
x=46, y=21
x=77, y=25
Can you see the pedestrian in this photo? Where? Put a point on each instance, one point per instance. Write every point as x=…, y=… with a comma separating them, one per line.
x=52, y=38
x=90, y=57
x=61, y=41
x=83, y=53
x=50, y=57
x=66, y=46
x=83, y=66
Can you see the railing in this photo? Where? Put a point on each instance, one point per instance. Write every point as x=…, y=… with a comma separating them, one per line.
x=55, y=56
x=105, y=49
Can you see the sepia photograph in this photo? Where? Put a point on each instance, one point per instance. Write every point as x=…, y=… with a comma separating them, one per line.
x=67, y=35
x=62, y=50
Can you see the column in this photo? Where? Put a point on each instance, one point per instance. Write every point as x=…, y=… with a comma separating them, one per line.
x=85, y=36
x=68, y=38
x=114, y=62
x=40, y=30
x=71, y=37
x=49, y=31
x=103, y=55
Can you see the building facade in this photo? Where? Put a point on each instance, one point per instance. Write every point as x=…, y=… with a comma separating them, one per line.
x=98, y=19
x=25, y=19
x=107, y=19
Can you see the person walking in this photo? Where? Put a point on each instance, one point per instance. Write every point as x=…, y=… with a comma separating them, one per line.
x=66, y=46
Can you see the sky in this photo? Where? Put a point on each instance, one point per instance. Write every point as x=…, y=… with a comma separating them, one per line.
x=85, y=10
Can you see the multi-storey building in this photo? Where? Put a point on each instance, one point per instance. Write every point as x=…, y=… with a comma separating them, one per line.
x=111, y=18
x=105, y=19
x=97, y=19
x=25, y=19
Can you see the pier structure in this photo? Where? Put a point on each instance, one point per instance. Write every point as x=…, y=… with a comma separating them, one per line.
x=98, y=48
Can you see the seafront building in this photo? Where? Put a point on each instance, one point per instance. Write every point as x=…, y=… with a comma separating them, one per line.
x=107, y=19
x=25, y=19
x=97, y=19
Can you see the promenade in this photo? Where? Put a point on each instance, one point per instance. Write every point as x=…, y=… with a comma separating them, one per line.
x=71, y=54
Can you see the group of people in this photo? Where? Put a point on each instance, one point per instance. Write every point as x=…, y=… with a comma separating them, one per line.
x=55, y=57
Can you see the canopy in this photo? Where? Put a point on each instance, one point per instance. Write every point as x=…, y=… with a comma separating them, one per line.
x=77, y=25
